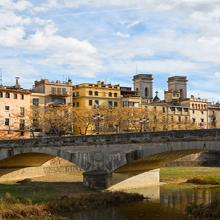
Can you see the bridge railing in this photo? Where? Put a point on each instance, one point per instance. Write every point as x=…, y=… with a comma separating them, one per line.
x=115, y=138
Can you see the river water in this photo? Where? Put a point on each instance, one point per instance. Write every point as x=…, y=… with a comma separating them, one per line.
x=168, y=202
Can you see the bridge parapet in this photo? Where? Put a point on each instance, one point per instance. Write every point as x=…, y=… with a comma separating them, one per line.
x=141, y=137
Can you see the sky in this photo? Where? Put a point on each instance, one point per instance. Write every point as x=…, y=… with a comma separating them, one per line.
x=90, y=40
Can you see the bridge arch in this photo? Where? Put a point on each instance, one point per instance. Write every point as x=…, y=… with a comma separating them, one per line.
x=150, y=156
x=31, y=157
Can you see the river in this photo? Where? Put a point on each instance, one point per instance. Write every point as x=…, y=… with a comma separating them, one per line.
x=168, y=202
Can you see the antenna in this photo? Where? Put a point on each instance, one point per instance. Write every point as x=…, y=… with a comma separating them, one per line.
x=0, y=77
x=136, y=68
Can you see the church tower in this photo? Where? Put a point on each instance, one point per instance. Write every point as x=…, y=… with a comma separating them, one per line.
x=143, y=85
x=178, y=84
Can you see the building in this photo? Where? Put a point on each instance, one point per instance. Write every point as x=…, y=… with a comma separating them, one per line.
x=198, y=111
x=93, y=95
x=47, y=92
x=214, y=115
x=143, y=86
x=15, y=110
x=178, y=84
x=130, y=98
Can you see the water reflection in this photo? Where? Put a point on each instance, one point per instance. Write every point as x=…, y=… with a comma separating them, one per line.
x=169, y=204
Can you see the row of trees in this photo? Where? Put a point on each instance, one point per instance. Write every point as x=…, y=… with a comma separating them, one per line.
x=62, y=120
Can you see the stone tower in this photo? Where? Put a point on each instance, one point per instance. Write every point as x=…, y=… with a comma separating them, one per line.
x=178, y=84
x=143, y=85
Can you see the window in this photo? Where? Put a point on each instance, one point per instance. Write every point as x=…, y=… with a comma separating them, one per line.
x=110, y=104
x=115, y=94
x=194, y=120
x=53, y=90
x=90, y=102
x=74, y=104
x=164, y=110
x=64, y=92
x=155, y=108
x=22, y=124
x=110, y=94
x=22, y=111
x=7, y=121
x=58, y=91
x=146, y=92
x=7, y=108
x=1, y=95
x=77, y=93
x=202, y=120
x=7, y=95
x=22, y=96
x=77, y=104
x=116, y=104
x=15, y=96
x=179, y=118
x=90, y=92
x=35, y=101
x=96, y=103
x=96, y=93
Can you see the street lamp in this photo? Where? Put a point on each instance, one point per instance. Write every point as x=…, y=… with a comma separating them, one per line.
x=143, y=122
x=98, y=118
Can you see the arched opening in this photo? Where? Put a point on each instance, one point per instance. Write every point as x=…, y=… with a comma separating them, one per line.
x=151, y=163
x=146, y=92
x=38, y=167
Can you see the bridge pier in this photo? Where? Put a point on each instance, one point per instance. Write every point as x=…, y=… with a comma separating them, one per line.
x=96, y=179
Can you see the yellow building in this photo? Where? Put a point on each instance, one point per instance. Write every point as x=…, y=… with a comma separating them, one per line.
x=88, y=95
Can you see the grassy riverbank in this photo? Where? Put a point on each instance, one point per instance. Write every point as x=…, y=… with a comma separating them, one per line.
x=196, y=175
x=20, y=208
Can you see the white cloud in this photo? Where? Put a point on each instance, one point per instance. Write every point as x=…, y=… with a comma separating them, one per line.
x=122, y=35
x=19, y=5
x=43, y=41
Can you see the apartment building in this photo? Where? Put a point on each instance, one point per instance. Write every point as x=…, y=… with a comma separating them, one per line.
x=198, y=109
x=93, y=95
x=14, y=110
x=130, y=98
x=47, y=92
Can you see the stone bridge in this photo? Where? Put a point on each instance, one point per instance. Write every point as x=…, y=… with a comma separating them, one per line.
x=101, y=155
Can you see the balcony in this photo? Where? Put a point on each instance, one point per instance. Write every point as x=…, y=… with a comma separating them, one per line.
x=57, y=94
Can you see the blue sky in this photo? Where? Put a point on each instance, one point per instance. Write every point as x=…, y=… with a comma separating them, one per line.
x=90, y=40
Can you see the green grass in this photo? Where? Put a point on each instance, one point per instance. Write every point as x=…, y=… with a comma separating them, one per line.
x=203, y=181
x=175, y=174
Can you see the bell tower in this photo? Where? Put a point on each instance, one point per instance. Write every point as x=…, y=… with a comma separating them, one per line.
x=178, y=84
x=143, y=85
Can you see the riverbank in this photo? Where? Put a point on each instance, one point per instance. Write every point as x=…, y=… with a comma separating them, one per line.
x=60, y=208
x=180, y=175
